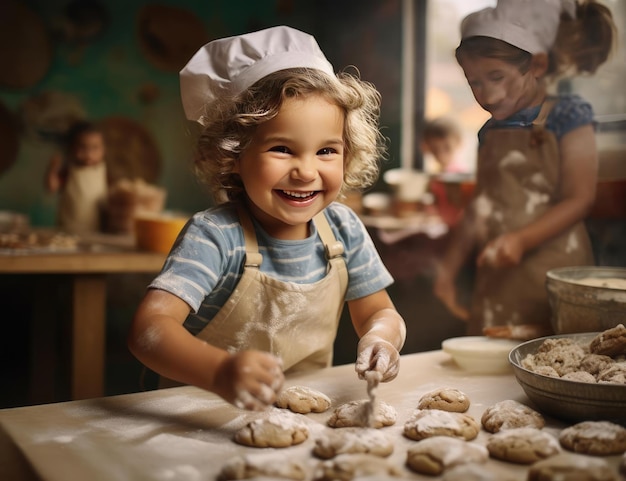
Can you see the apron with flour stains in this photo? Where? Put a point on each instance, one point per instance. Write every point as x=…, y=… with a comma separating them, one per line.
x=83, y=197
x=517, y=181
x=296, y=322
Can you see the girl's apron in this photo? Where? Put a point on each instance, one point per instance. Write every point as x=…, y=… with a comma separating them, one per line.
x=82, y=200
x=296, y=322
x=517, y=181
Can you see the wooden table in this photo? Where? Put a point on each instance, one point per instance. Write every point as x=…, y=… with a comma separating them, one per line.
x=86, y=267
x=186, y=434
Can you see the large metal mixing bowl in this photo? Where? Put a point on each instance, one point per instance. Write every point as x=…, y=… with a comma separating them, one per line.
x=568, y=400
x=578, y=305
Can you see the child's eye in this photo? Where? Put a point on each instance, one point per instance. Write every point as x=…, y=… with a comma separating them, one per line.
x=326, y=151
x=280, y=148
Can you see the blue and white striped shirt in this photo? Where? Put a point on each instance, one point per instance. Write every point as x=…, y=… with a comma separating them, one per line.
x=206, y=261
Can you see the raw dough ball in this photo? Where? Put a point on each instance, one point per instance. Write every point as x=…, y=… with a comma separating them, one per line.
x=354, y=414
x=355, y=466
x=351, y=441
x=511, y=414
x=472, y=472
x=611, y=342
x=446, y=399
x=522, y=445
x=255, y=465
x=426, y=423
x=277, y=429
x=599, y=438
x=562, y=354
x=436, y=454
x=303, y=400
x=570, y=467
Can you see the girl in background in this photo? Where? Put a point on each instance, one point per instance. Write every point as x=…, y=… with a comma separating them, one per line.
x=537, y=159
x=256, y=285
x=80, y=178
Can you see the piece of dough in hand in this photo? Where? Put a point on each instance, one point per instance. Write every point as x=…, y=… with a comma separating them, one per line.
x=354, y=414
x=303, y=400
x=351, y=441
x=278, y=429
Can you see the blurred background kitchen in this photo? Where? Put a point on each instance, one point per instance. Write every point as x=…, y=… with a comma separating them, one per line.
x=116, y=63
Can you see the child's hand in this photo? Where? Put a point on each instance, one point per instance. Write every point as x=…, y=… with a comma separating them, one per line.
x=445, y=291
x=376, y=354
x=504, y=251
x=250, y=379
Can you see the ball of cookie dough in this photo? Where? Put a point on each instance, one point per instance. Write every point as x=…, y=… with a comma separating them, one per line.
x=354, y=414
x=356, y=466
x=570, y=467
x=611, y=342
x=522, y=445
x=351, y=441
x=436, y=454
x=510, y=414
x=600, y=438
x=275, y=429
x=595, y=363
x=302, y=400
x=562, y=354
x=446, y=399
x=613, y=374
x=425, y=423
x=253, y=466
x=472, y=472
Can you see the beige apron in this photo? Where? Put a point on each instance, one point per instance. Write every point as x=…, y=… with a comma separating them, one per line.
x=297, y=322
x=82, y=199
x=517, y=181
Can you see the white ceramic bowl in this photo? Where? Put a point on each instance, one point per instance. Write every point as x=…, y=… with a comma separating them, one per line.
x=480, y=354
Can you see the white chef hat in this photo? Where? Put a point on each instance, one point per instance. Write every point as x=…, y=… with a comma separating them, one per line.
x=231, y=65
x=531, y=25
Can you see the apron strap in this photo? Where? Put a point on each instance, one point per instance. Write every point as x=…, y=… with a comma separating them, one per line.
x=253, y=257
x=545, y=110
x=333, y=247
x=538, y=135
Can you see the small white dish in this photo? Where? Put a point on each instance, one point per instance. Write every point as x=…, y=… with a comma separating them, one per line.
x=480, y=354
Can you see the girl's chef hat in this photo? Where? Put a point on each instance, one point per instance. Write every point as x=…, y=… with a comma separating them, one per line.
x=231, y=65
x=531, y=25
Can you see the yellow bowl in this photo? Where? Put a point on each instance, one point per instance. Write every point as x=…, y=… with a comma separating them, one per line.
x=157, y=233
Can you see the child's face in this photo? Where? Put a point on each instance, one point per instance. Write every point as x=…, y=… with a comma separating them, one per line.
x=294, y=165
x=499, y=87
x=442, y=148
x=89, y=149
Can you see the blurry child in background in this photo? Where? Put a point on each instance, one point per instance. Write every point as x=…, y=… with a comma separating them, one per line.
x=256, y=285
x=79, y=175
x=537, y=159
x=441, y=143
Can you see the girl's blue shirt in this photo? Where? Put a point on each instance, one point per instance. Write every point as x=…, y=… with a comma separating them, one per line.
x=206, y=261
x=570, y=112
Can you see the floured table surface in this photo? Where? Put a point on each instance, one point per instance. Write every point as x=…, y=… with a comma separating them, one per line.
x=186, y=434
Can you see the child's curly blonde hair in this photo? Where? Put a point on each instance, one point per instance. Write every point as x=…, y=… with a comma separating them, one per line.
x=230, y=122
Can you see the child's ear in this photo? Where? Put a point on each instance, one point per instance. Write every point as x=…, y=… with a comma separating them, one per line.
x=539, y=64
